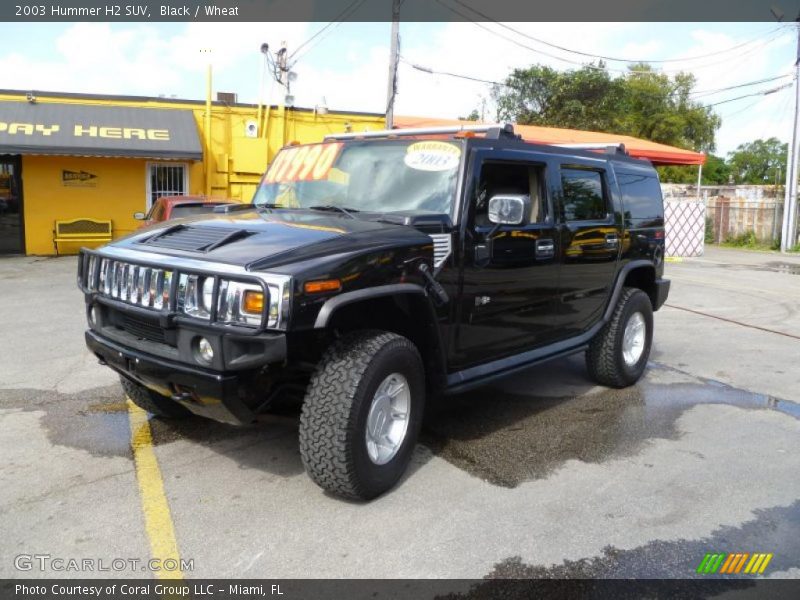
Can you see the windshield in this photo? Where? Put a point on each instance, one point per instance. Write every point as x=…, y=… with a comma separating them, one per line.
x=385, y=176
x=187, y=210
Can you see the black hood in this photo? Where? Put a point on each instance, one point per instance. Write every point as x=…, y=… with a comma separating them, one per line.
x=259, y=239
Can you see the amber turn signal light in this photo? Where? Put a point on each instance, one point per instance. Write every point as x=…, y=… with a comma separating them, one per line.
x=253, y=302
x=327, y=285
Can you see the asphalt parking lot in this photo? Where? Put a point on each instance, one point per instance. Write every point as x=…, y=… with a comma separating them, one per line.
x=540, y=475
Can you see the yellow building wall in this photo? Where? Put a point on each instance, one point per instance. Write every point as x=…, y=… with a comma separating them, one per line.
x=117, y=192
x=233, y=165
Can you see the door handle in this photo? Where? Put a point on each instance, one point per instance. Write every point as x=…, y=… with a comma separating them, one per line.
x=545, y=248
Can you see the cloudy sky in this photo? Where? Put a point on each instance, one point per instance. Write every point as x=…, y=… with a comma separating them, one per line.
x=346, y=65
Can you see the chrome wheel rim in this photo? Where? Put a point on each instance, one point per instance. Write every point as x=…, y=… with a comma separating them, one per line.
x=387, y=421
x=633, y=339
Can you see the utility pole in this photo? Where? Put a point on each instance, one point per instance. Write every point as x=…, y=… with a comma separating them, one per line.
x=207, y=125
x=789, y=228
x=394, y=59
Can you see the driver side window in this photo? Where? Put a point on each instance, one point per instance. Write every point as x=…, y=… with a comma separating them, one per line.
x=510, y=178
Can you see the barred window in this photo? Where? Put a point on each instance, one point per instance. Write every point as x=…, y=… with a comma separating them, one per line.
x=166, y=179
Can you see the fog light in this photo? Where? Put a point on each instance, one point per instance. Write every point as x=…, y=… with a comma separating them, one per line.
x=92, y=315
x=204, y=350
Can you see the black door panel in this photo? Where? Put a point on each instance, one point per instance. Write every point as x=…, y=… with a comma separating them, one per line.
x=509, y=273
x=590, y=235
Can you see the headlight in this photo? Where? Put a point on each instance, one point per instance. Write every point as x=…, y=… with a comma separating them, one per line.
x=195, y=294
x=239, y=303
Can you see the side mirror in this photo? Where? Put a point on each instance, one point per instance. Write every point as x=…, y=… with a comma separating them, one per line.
x=509, y=209
x=139, y=216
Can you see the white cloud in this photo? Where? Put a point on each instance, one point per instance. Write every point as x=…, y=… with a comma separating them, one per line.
x=141, y=59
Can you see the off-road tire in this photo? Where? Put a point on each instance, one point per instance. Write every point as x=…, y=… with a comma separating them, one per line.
x=152, y=402
x=604, y=358
x=333, y=421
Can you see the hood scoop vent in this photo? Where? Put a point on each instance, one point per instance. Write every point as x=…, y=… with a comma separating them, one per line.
x=194, y=239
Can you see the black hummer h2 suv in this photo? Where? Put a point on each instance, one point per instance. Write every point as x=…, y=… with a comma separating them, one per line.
x=374, y=270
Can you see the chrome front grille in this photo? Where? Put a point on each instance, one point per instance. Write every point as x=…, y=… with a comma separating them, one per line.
x=195, y=293
x=147, y=287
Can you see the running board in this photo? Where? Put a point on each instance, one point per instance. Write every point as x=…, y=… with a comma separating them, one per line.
x=472, y=377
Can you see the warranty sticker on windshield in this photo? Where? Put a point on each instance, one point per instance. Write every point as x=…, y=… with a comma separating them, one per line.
x=432, y=156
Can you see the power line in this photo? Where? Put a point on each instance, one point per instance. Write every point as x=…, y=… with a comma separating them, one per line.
x=345, y=14
x=320, y=31
x=740, y=85
x=592, y=66
x=612, y=58
x=432, y=71
x=741, y=110
x=761, y=93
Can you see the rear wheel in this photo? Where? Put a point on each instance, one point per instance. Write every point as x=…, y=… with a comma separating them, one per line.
x=154, y=403
x=362, y=414
x=618, y=354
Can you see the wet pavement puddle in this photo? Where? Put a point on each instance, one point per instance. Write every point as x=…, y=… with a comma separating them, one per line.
x=508, y=438
x=503, y=437
x=775, y=530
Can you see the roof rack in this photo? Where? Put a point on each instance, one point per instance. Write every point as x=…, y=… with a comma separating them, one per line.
x=609, y=147
x=493, y=131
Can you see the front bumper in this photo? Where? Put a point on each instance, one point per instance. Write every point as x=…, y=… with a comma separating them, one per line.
x=207, y=393
x=661, y=292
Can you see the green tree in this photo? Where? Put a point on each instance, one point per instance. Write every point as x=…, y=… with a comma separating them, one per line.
x=758, y=162
x=715, y=172
x=540, y=95
x=473, y=116
x=642, y=103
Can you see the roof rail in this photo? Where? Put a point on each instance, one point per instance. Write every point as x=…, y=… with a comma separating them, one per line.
x=492, y=131
x=609, y=147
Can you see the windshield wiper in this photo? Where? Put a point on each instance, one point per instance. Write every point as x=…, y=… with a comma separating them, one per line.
x=332, y=207
x=270, y=205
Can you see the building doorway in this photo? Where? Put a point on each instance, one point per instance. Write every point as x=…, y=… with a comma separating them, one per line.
x=11, y=227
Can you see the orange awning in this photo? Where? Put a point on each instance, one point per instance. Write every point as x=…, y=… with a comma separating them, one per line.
x=658, y=154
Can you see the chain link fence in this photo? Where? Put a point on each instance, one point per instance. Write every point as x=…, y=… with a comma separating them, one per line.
x=684, y=227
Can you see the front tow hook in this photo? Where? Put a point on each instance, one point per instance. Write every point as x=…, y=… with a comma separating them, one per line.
x=182, y=397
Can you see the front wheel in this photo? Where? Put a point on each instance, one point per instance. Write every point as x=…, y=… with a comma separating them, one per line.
x=618, y=354
x=362, y=414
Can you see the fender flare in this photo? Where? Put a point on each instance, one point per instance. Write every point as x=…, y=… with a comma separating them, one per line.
x=623, y=272
x=331, y=305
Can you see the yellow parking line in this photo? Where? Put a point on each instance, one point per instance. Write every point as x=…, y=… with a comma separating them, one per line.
x=157, y=518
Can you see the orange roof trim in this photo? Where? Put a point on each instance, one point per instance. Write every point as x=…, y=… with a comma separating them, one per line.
x=658, y=154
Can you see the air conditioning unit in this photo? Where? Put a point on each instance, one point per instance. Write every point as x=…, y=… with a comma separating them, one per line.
x=251, y=129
